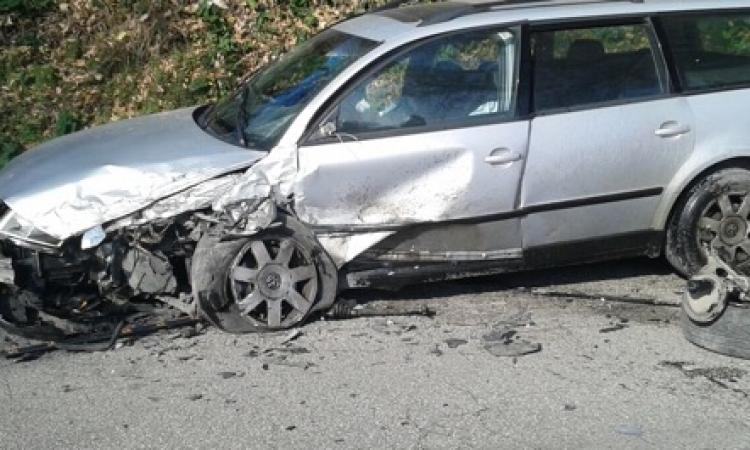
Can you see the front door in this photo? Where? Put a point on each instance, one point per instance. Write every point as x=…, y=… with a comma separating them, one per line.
x=430, y=136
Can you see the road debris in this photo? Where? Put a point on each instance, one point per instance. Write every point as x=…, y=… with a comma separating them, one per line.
x=719, y=376
x=294, y=334
x=455, y=343
x=99, y=342
x=655, y=301
x=504, y=340
x=715, y=309
x=344, y=310
x=613, y=328
x=228, y=375
x=631, y=430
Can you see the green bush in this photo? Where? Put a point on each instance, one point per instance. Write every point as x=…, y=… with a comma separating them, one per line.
x=9, y=149
x=63, y=68
x=67, y=123
x=25, y=7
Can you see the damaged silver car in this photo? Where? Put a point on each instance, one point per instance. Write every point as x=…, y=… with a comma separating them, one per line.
x=409, y=144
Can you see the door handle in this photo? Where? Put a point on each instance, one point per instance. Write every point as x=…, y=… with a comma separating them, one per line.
x=501, y=156
x=672, y=129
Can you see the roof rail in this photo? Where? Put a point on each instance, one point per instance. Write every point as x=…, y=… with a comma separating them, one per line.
x=485, y=3
x=441, y=11
x=393, y=4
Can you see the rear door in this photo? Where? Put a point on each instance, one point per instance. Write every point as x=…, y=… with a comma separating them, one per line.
x=428, y=136
x=607, y=137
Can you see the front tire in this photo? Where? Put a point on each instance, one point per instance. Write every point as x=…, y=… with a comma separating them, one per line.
x=713, y=215
x=271, y=281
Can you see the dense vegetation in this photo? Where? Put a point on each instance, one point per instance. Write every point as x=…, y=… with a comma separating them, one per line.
x=68, y=64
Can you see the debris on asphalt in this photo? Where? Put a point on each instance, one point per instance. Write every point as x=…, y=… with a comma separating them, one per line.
x=613, y=328
x=228, y=375
x=504, y=340
x=455, y=343
x=344, y=310
x=630, y=430
x=294, y=334
x=512, y=349
x=99, y=342
x=605, y=298
x=730, y=374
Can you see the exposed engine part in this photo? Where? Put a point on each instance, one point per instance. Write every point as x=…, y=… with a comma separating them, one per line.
x=709, y=291
x=76, y=292
x=149, y=273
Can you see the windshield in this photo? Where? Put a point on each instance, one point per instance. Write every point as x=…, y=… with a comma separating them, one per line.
x=261, y=110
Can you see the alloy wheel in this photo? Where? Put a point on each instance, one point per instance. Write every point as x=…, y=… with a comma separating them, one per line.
x=274, y=282
x=724, y=228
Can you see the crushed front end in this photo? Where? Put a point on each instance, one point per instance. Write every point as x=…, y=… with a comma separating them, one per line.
x=74, y=285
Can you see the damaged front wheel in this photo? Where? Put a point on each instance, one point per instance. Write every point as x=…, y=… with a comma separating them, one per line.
x=271, y=281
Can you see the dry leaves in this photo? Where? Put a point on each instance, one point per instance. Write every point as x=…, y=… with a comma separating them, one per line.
x=101, y=61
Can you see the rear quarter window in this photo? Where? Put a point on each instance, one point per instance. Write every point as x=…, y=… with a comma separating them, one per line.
x=710, y=51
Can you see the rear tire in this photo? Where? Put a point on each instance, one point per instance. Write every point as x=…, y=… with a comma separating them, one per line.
x=713, y=213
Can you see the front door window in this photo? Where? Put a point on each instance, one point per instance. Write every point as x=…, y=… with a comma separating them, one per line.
x=445, y=82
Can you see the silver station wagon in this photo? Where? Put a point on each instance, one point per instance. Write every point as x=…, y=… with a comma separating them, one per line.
x=412, y=143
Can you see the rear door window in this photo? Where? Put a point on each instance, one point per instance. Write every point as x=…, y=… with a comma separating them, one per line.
x=710, y=51
x=577, y=67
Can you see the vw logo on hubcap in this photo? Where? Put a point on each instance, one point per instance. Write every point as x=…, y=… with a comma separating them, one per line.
x=273, y=281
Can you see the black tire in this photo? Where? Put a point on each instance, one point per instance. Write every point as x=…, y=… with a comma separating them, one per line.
x=682, y=248
x=214, y=259
x=728, y=335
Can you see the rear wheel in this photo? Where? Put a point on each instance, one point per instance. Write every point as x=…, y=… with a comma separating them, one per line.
x=714, y=215
x=271, y=281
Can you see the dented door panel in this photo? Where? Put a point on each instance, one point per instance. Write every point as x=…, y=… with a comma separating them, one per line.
x=420, y=178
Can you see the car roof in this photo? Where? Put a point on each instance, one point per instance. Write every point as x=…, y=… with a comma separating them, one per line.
x=398, y=22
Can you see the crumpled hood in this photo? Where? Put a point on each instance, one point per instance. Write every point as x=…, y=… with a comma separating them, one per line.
x=73, y=183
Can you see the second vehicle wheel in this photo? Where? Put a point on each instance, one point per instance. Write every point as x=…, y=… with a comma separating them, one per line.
x=714, y=214
x=728, y=335
x=270, y=281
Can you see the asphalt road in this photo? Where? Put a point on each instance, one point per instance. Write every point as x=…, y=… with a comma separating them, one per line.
x=606, y=370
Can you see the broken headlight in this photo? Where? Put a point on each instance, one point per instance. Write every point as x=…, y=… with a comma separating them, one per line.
x=18, y=229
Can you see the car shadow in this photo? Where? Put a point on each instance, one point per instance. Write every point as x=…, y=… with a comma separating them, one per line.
x=571, y=275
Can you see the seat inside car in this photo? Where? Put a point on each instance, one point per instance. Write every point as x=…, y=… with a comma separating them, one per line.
x=586, y=78
x=448, y=92
x=587, y=74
